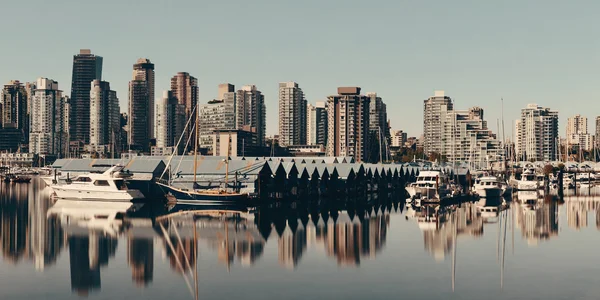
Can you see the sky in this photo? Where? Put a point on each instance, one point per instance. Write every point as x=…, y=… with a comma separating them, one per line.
x=536, y=51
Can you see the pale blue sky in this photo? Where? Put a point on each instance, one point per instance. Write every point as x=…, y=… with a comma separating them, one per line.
x=544, y=52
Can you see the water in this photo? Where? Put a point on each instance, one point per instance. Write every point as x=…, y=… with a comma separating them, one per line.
x=543, y=248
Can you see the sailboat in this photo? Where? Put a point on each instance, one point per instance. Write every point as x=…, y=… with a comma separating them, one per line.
x=199, y=195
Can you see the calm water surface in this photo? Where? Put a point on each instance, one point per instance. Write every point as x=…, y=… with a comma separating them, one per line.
x=530, y=248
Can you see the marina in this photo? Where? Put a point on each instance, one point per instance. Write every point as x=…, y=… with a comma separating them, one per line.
x=72, y=248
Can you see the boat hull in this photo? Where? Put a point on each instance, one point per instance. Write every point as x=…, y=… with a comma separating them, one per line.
x=489, y=192
x=112, y=196
x=195, y=198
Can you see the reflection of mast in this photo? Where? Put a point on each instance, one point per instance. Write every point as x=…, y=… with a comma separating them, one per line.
x=195, y=258
x=503, y=257
x=454, y=250
x=168, y=239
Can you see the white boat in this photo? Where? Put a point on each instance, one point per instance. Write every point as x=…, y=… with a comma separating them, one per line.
x=108, y=186
x=488, y=187
x=585, y=180
x=528, y=181
x=430, y=185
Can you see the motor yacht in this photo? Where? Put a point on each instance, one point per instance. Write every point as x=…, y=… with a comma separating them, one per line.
x=488, y=187
x=529, y=181
x=430, y=184
x=107, y=186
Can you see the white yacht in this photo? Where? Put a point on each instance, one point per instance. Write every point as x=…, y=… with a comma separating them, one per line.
x=430, y=185
x=529, y=181
x=108, y=186
x=488, y=187
x=585, y=180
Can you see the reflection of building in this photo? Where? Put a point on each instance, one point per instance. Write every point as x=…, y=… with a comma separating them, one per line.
x=347, y=237
x=46, y=234
x=292, y=244
x=578, y=209
x=140, y=256
x=538, y=221
x=182, y=254
x=441, y=228
x=14, y=233
x=87, y=254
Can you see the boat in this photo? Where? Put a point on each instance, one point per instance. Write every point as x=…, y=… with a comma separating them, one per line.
x=430, y=184
x=20, y=179
x=528, y=181
x=585, y=180
x=199, y=195
x=107, y=186
x=488, y=187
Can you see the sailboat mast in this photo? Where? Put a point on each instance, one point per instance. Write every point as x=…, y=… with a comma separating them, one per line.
x=227, y=160
x=196, y=144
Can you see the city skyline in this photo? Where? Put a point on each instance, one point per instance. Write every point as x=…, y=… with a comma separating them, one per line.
x=528, y=60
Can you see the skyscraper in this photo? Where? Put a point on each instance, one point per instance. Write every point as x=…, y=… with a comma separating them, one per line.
x=49, y=120
x=380, y=132
x=143, y=70
x=218, y=114
x=14, y=106
x=104, y=116
x=577, y=133
x=292, y=115
x=597, y=136
x=138, y=133
x=170, y=121
x=87, y=67
x=348, y=124
x=185, y=89
x=537, y=133
x=251, y=112
x=434, y=111
x=316, y=124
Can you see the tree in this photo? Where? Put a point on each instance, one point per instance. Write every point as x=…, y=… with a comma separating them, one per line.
x=548, y=169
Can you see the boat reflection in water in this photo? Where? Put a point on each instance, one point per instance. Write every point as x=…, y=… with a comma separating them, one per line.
x=35, y=229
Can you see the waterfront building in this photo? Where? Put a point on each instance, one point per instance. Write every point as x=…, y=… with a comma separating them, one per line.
x=292, y=115
x=597, y=133
x=378, y=125
x=143, y=70
x=434, y=111
x=217, y=114
x=185, y=89
x=251, y=111
x=14, y=119
x=458, y=135
x=399, y=138
x=87, y=67
x=537, y=134
x=349, y=120
x=170, y=122
x=239, y=142
x=316, y=124
x=49, y=127
x=137, y=124
x=104, y=116
x=577, y=133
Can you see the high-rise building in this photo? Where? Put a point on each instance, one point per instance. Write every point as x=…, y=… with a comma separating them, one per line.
x=105, y=116
x=577, y=133
x=170, y=121
x=143, y=70
x=13, y=109
x=458, y=135
x=380, y=132
x=138, y=133
x=537, y=134
x=225, y=88
x=217, y=114
x=87, y=67
x=185, y=89
x=251, y=112
x=434, y=111
x=49, y=120
x=348, y=124
x=466, y=137
x=292, y=115
x=316, y=125
x=399, y=138
x=597, y=135
x=577, y=124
